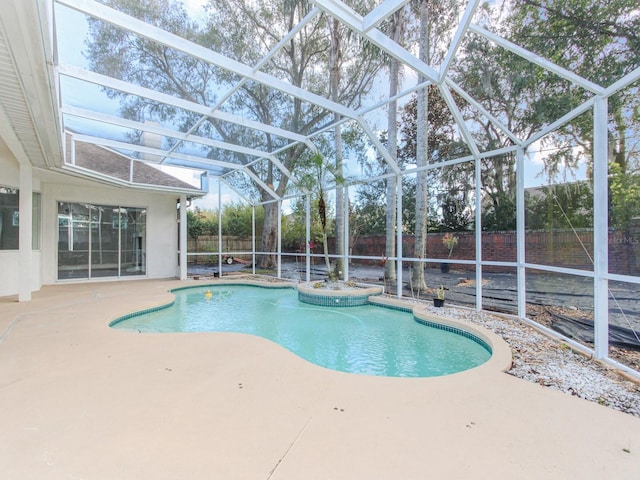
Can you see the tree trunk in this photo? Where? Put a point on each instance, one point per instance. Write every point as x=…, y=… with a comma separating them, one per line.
x=334, y=83
x=327, y=262
x=390, y=226
x=340, y=223
x=269, y=236
x=392, y=146
x=422, y=152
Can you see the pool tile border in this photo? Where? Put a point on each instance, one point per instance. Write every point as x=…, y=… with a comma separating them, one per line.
x=128, y=316
x=456, y=330
x=352, y=297
x=189, y=287
x=435, y=324
x=333, y=300
x=501, y=357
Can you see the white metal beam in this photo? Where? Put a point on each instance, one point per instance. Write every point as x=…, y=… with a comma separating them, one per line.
x=312, y=14
x=242, y=195
x=537, y=59
x=624, y=82
x=579, y=110
x=457, y=115
x=380, y=147
x=346, y=15
x=166, y=132
x=520, y=235
x=81, y=172
x=264, y=186
x=109, y=82
x=472, y=101
x=182, y=235
x=457, y=38
x=105, y=142
x=282, y=168
x=194, y=50
x=381, y=12
x=600, y=228
x=397, y=96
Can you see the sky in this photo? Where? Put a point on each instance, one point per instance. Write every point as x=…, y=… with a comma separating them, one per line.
x=92, y=97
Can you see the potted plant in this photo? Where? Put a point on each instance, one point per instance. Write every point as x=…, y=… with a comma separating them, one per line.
x=438, y=301
x=449, y=240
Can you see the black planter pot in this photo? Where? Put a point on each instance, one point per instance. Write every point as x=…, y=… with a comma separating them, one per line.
x=438, y=302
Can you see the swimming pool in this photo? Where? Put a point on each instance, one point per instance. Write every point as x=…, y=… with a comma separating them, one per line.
x=368, y=339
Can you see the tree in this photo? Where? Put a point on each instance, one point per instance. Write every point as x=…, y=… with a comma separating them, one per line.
x=446, y=189
x=194, y=224
x=597, y=40
x=318, y=175
x=237, y=219
x=435, y=20
x=624, y=196
x=370, y=207
x=396, y=33
x=422, y=153
x=567, y=205
x=201, y=222
x=245, y=31
x=294, y=230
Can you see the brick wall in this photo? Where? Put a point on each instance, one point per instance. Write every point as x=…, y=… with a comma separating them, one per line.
x=562, y=248
x=558, y=248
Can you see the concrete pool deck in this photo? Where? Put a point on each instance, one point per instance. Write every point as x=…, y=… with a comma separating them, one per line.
x=79, y=400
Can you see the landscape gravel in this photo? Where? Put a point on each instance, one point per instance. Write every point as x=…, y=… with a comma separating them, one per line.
x=553, y=364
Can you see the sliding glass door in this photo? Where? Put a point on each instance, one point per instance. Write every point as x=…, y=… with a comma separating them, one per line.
x=97, y=241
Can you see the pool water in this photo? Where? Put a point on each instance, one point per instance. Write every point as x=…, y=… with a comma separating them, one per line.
x=369, y=339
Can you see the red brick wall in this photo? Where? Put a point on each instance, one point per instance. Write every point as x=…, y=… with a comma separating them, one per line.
x=558, y=248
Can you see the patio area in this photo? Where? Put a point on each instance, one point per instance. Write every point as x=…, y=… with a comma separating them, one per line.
x=80, y=400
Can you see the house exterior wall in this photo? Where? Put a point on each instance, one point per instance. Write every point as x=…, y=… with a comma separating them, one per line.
x=10, y=259
x=161, y=228
x=161, y=232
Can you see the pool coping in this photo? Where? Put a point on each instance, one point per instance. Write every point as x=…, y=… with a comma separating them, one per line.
x=356, y=291
x=501, y=356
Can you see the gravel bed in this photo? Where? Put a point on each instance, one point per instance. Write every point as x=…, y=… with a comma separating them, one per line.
x=552, y=363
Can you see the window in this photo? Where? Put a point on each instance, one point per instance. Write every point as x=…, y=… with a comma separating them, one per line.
x=9, y=218
x=35, y=221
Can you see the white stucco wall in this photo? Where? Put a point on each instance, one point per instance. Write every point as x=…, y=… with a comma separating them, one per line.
x=161, y=233
x=10, y=259
x=9, y=172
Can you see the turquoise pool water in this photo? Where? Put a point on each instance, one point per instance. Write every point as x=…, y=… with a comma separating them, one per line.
x=369, y=340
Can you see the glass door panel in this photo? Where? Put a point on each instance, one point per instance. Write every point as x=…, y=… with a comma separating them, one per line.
x=133, y=223
x=73, y=241
x=104, y=241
